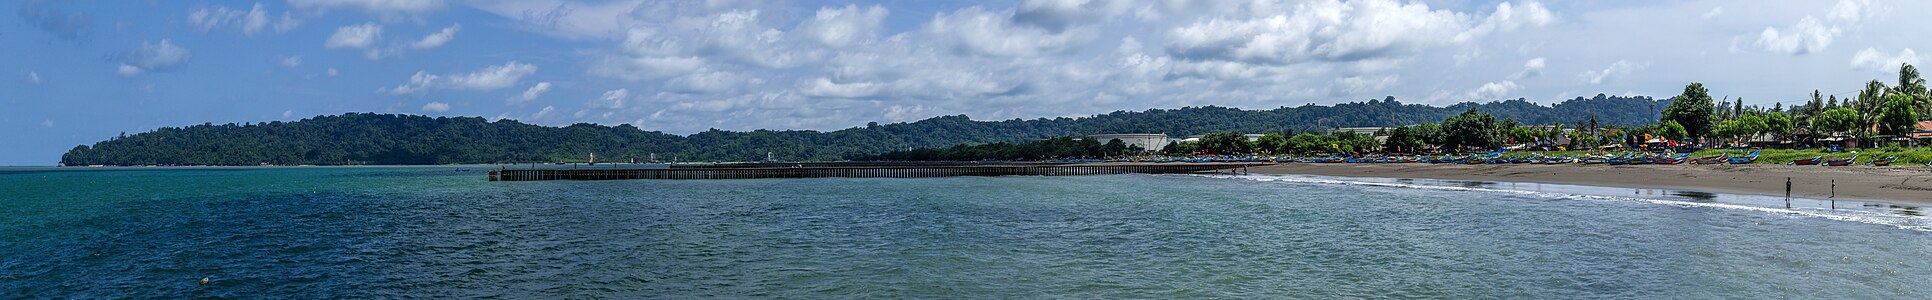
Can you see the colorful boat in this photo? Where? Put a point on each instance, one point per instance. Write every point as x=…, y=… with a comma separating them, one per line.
x=1712, y=160
x=1843, y=162
x=1887, y=161
x=1744, y=159
x=1807, y=161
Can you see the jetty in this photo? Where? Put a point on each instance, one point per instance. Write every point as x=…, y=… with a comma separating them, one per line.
x=861, y=170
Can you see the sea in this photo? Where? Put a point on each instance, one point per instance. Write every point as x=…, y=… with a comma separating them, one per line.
x=448, y=232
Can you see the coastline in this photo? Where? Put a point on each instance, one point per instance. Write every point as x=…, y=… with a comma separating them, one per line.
x=1902, y=185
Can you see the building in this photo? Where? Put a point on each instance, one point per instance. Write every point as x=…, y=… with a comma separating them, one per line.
x=1149, y=141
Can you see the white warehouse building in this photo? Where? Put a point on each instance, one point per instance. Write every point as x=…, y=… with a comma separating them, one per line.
x=1149, y=141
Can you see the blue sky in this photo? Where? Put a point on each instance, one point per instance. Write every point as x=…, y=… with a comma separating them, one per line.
x=77, y=72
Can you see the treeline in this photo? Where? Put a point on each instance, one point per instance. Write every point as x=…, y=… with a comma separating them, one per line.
x=367, y=138
x=1048, y=149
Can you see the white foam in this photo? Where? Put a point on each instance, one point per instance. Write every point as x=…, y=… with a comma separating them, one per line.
x=1859, y=216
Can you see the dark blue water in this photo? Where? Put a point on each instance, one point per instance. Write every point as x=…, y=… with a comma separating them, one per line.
x=438, y=232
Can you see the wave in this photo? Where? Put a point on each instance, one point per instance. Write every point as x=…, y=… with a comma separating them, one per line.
x=1847, y=215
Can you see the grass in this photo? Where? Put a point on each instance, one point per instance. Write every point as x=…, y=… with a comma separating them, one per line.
x=1906, y=156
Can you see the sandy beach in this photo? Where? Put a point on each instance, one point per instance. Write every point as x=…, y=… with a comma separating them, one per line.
x=1899, y=184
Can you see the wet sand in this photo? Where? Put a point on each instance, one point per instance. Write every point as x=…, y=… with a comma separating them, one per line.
x=1899, y=184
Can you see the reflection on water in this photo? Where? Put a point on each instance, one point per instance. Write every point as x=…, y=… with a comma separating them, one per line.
x=1696, y=195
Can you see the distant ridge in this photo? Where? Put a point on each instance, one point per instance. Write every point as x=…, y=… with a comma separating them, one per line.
x=368, y=138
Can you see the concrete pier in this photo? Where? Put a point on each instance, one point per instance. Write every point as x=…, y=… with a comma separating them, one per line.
x=863, y=171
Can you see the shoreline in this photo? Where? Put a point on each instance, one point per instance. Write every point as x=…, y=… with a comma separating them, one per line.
x=1900, y=185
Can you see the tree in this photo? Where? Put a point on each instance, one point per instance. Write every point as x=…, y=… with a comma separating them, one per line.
x=1693, y=110
x=1671, y=130
x=1308, y=143
x=1226, y=142
x=1404, y=140
x=1778, y=123
x=1837, y=120
x=1273, y=142
x=1114, y=147
x=1471, y=129
x=1898, y=116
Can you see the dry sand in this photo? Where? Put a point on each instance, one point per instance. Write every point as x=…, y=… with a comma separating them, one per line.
x=1898, y=184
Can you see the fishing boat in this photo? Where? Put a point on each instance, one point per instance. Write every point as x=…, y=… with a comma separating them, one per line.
x=1807, y=161
x=1671, y=159
x=1843, y=162
x=1712, y=160
x=1753, y=157
x=1641, y=159
x=1887, y=161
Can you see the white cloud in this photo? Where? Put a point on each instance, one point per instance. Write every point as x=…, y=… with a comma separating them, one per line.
x=1715, y=11
x=613, y=99
x=1342, y=31
x=332, y=72
x=489, y=78
x=1493, y=90
x=1808, y=36
x=251, y=22
x=33, y=77
x=436, y=107
x=437, y=39
x=823, y=87
x=372, y=6
x=530, y=94
x=148, y=57
x=1616, y=69
x=1532, y=68
x=838, y=27
x=287, y=113
x=977, y=31
x=355, y=36
x=128, y=71
x=47, y=123
x=1871, y=59
x=1811, y=35
x=292, y=61
x=545, y=113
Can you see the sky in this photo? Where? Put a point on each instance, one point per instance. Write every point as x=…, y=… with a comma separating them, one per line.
x=77, y=72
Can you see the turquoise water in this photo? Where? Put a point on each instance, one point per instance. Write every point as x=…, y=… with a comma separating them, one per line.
x=440, y=232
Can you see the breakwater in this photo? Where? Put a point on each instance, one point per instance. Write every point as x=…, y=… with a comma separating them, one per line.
x=863, y=170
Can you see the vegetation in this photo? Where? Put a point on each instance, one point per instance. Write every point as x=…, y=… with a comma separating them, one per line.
x=1054, y=148
x=366, y=138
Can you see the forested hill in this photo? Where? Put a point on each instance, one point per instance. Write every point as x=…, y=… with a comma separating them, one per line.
x=367, y=138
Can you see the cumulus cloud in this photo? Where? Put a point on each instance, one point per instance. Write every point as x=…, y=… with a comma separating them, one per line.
x=613, y=99
x=1715, y=11
x=1532, y=68
x=251, y=22
x=151, y=57
x=1343, y=31
x=531, y=94
x=823, y=87
x=838, y=27
x=490, y=78
x=436, y=107
x=292, y=61
x=372, y=6
x=33, y=78
x=977, y=31
x=1871, y=59
x=1493, y=90
x=437, y=39
x=354, y=36
x=1810, y=34
x=1617, y=69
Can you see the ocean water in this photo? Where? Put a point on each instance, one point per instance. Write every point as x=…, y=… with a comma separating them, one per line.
x=444, y=232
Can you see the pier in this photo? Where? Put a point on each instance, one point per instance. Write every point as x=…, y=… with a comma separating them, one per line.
x=862, y=170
